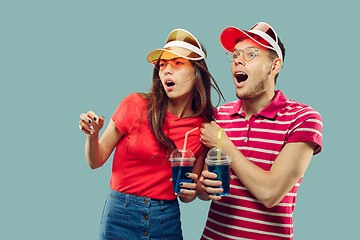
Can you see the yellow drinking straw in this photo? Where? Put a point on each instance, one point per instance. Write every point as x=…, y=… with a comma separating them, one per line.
x=219, y=144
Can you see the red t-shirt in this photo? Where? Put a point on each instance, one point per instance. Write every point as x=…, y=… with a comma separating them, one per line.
x=140, y=166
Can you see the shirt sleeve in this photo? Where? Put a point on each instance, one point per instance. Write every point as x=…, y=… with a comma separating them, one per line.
x=307, y=127
x=216, y=112
x=127, y=112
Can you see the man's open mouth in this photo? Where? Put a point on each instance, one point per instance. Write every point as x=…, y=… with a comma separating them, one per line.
x=241, y=77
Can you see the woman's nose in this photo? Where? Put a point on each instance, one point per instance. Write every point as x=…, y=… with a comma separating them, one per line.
x=168, y=69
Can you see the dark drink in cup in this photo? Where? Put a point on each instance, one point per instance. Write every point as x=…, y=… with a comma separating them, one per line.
x=218, y=161
x=182, y=161
x=223, y=175
x=178, y=173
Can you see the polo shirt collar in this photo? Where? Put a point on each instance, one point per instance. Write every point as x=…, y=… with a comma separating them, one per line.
x=268, y=112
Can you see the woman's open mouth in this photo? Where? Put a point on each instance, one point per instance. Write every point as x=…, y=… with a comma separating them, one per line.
x=169, y=83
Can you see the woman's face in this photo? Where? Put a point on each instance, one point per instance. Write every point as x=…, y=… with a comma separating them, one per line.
x=177, y=77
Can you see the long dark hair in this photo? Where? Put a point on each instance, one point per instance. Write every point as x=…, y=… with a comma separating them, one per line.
x=201, y=103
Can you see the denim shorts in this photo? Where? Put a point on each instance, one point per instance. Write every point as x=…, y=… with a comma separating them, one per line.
x=131, y=217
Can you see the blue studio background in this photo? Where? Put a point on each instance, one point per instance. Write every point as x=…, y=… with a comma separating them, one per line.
x=61, y=58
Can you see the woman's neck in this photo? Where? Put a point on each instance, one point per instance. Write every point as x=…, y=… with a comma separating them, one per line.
x=180, y=108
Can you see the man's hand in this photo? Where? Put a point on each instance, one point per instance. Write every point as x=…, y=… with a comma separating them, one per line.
x=209, y=134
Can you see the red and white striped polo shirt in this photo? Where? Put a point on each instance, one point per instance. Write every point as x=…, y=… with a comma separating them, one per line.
x=260, y=139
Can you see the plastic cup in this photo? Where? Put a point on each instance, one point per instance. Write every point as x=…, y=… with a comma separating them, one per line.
x=182, y=162
x=218, y=161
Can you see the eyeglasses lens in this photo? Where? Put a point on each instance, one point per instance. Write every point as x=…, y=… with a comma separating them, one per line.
x=176, y=63
x=249, y=54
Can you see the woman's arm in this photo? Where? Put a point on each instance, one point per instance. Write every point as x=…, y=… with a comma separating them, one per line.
x=98, y=151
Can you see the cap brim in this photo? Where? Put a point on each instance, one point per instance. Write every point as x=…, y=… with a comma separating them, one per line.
x=231, y=35
x=171, y=53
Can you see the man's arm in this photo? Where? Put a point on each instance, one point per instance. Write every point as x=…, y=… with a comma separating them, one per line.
x=268, y=187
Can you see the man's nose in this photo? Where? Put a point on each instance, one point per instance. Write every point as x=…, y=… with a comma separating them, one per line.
x=239, y=60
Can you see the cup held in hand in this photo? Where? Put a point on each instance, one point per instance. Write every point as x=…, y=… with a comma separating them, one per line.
x=182, y=162
x=218, y=161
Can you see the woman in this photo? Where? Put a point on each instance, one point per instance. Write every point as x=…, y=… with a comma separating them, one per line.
x=145, y=128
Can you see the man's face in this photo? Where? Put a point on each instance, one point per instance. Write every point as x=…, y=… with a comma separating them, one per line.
x=252, y=78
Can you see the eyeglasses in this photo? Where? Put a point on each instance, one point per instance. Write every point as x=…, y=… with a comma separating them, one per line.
x=175, y=63
x=248, y=53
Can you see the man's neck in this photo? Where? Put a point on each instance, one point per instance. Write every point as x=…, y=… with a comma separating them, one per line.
x=257, y=104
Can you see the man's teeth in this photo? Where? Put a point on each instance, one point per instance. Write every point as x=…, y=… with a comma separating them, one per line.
x=241, y=76
x=240, y=73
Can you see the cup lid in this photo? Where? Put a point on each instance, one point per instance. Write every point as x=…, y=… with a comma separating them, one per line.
x=214, y=153
x=178, y=154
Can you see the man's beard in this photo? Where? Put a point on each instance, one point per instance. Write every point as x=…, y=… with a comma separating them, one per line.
x=254, y=91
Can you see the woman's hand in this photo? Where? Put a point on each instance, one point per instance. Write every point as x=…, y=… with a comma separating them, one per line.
x=188, y=194
x=90, y=123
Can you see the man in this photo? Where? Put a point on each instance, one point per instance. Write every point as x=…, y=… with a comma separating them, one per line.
x=270, y=139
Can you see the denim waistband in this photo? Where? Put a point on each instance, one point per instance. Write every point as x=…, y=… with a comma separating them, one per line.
x=139, y=200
